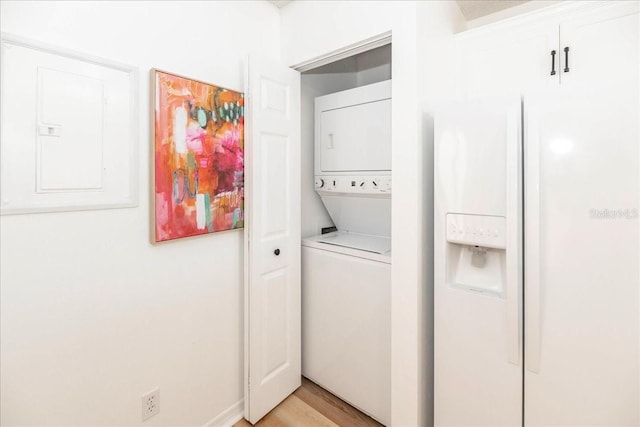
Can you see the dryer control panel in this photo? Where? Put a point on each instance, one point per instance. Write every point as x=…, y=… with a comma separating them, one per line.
x=359, y=184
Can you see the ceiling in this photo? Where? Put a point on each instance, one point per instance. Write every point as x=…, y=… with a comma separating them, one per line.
x=471, y=9
x=280, y=3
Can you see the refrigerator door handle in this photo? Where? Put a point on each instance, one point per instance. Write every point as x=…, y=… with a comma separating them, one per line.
x=532, y=298
x=514, y=237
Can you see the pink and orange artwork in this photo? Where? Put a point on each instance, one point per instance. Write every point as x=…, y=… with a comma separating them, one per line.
x=198, y=157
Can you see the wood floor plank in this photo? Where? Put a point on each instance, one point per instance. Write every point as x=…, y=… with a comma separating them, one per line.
x=295, y=412
x=291, y=412
x=332, y=406
x=312, y=406
x=242, y=423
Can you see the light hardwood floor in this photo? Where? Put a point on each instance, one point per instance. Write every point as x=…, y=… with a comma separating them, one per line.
x=312, y=406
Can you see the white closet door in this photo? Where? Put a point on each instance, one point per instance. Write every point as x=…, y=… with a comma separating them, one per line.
x=272, y=263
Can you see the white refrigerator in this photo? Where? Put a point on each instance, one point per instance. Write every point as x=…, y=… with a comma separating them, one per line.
x=537, y=261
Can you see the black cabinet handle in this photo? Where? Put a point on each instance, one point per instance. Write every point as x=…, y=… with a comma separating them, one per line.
x=277, y=252
x=566, y=59
x=553, y=62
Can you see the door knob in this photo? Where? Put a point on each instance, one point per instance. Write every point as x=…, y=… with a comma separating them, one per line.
x=277, y=252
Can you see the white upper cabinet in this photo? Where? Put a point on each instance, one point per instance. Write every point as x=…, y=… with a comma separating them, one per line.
x=574, y=45
x=507, y=62
x=600, y=46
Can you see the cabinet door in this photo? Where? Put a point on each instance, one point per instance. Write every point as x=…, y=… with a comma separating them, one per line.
x=508, y=61
x=600, y=47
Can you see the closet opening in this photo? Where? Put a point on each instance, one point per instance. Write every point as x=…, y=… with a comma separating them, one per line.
x=346, y=190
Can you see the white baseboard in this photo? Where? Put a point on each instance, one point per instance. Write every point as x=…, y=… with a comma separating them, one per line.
x=229, y=416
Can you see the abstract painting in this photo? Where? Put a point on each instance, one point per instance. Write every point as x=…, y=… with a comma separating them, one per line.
x=198, y=157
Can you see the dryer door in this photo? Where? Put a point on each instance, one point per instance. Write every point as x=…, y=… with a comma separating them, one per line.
x=356, y=138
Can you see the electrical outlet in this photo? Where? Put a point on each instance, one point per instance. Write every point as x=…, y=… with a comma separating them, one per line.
x=150, y=404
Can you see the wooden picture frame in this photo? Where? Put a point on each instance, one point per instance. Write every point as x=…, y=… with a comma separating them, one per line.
x=197, y=157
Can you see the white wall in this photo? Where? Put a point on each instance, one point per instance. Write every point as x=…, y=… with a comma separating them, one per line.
x=374, y=66
x=92, y=315
x=313, y=29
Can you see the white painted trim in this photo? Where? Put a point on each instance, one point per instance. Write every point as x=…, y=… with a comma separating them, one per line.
x=45, y=47
x=132, y=200
x=248, y=197
x=345, y=52
x=229, y=416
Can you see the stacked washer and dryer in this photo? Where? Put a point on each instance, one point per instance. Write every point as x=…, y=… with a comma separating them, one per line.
x=346, y=274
